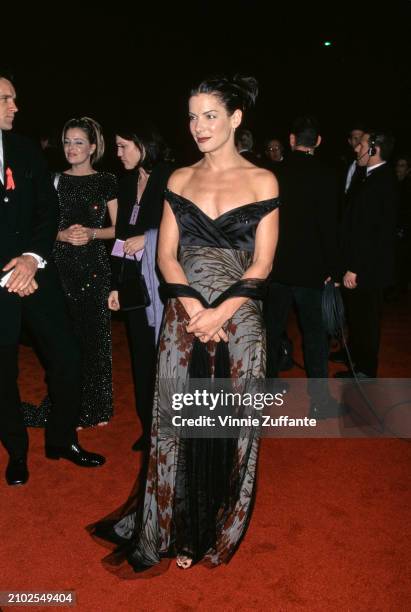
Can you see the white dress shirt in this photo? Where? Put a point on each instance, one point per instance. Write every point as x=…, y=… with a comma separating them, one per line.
x=350, y=174
x=371, y=168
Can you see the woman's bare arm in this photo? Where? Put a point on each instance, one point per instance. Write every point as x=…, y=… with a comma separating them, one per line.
x=167, y=258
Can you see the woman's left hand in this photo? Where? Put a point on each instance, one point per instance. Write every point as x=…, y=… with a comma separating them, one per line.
x=134, y=244
x=208, y=325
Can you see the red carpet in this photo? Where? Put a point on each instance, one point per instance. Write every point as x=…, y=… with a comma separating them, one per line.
x=331, y=529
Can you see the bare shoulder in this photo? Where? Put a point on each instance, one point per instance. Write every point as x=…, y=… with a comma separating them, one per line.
x=265, y=184
x=179, y=178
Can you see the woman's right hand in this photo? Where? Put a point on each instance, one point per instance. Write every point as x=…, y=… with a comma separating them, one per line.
x=192, y=306
x=113, y=302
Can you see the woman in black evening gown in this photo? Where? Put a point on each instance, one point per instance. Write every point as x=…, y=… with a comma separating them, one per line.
x=217, y=241
x=85, y=197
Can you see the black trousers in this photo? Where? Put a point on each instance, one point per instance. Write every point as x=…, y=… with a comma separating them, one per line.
x=364, y=310
x=45, y=317
x=277, y=307
x=141, y=340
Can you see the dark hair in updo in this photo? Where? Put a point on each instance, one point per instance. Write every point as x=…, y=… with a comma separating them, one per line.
x=148, y=140
x=238, y=92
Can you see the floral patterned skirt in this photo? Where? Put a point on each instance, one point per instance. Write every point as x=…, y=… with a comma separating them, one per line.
x=193, y=496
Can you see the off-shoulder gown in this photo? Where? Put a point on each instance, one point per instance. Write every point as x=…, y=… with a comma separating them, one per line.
x=195, y=497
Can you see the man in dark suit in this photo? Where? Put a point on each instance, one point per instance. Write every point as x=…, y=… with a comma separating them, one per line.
x=368, y=238
x=349, y=160
x=306, y=258
x=30, y=293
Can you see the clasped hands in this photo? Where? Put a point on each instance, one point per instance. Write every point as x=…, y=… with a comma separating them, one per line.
x=207, y=324
x=22, y=279
x=76, y=234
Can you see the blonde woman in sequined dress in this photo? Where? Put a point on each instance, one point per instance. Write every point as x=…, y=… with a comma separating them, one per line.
x=85, y=197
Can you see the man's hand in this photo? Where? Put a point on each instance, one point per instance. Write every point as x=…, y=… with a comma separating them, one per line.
x=350, y=280
x=24, y=268
x=32, y=287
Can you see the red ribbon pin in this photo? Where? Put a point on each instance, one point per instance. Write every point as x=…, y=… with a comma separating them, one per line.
x=9, y=179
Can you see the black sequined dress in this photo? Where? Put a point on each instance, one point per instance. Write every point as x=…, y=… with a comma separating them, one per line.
x=85, y=276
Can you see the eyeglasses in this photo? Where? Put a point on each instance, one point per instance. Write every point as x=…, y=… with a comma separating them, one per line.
x=274, y=148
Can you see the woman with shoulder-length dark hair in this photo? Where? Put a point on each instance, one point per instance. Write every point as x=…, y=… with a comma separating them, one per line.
x=217, y=242
x=140, y=198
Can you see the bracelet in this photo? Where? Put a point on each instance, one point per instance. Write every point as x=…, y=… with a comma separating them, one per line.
x=94, y=234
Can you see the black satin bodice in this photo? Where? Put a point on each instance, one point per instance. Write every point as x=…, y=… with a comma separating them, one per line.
x=234, y=229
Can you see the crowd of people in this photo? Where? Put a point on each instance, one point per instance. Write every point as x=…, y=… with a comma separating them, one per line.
x=233, y=242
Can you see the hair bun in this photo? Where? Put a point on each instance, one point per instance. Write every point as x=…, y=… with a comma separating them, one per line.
x=248, y=87
x=237, y=92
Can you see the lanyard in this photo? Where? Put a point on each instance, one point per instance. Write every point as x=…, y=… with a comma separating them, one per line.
x=134, y=214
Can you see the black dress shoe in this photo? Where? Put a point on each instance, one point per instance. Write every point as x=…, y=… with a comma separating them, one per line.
x=75, y=454
x=329, y=409
x=17, y=472
x=277, y=385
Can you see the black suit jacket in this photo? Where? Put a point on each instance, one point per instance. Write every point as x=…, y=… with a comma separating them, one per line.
x=150, y=212
x=368, y=234
x=307, y=251
x=28, y=221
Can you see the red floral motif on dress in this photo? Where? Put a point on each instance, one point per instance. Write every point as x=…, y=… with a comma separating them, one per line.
x=164, y=496
x=237, y=368
x=231, y=328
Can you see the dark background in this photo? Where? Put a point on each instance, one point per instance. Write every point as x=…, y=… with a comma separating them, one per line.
x=139, y=60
